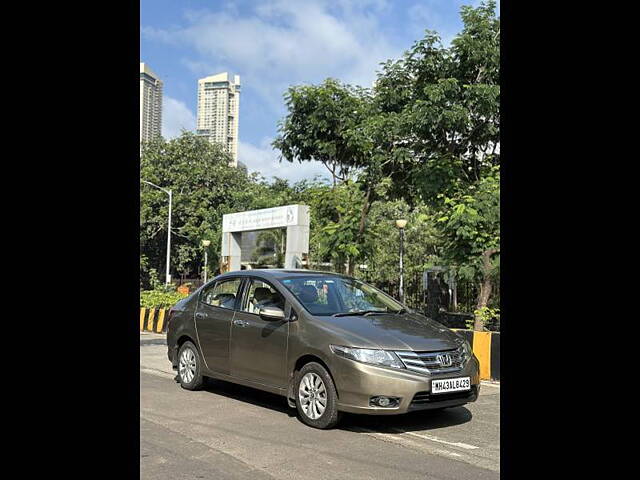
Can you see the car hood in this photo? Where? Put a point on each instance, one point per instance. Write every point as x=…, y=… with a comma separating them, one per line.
x=410, y=331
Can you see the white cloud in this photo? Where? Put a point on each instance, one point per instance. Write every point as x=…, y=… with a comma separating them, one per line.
x=277, y=44
x=176, y=117
x=280, y=43
x=264, y=159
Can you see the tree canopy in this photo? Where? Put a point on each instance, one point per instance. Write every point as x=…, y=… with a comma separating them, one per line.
x=428, y=133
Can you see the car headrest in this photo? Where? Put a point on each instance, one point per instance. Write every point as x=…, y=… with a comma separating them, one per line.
x=261, y=293
x=308, y=294
x=225, y=299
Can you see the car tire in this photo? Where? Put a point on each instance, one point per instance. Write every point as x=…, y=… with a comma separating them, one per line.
x=313, y=387
x=190, y=367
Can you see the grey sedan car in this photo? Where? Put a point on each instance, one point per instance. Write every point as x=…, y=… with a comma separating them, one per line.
x=328, y=343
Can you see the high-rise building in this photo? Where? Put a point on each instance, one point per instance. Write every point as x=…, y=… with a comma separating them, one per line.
x=150, y=104
x=218, y=110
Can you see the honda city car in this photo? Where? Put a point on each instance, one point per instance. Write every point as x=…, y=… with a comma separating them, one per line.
x=327, y=342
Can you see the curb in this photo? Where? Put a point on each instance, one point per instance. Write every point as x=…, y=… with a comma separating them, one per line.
x=153, y=320
x=153, y=341
x=486, y=347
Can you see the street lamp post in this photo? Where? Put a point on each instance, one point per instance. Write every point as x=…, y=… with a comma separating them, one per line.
x=400, y=223
x=363, y=269
x=168, y=192
x=205, y=244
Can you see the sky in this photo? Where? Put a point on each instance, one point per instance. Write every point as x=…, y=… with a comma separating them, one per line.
x=274, y=44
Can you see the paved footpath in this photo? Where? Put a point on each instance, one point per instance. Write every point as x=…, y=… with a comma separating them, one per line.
x=228, y=431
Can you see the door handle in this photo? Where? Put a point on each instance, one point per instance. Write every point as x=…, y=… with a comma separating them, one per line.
x=240, y=323
x=200, y=316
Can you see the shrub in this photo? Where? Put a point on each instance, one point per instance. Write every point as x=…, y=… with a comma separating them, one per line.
x=490, y=318
x=159, y=298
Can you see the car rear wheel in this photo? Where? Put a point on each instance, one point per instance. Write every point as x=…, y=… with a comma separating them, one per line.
x=189, y=367
x=316, y=397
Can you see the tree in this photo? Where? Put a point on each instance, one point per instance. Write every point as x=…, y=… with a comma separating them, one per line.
x=318, y=125
x=324, y=123
x=470, y=230
x=438, y=110
x=204, y=187
x=439, y=122
x=422, y=245
x=428, y=130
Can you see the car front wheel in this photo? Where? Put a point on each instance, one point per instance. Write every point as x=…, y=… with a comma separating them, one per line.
x=316, y=397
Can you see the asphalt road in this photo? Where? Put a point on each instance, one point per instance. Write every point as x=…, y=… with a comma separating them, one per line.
x=227, y=431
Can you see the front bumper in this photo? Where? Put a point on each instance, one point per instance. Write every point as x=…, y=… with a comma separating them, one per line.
x=357, y=382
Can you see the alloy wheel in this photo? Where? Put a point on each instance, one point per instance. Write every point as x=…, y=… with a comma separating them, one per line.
x=187, y=367
x=313, y=395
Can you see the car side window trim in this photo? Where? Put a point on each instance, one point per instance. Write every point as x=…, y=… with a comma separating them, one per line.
x=245, y=287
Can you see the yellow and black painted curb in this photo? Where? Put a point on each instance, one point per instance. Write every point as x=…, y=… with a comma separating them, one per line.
x=154, y=319
x=486, y=347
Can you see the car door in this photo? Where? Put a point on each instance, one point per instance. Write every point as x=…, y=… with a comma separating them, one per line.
x=213, y=316
x=258, y=346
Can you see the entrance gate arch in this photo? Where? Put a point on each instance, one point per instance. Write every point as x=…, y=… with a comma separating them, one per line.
x=295, y=218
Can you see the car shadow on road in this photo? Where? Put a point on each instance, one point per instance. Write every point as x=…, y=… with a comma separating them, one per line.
x=248, y=395
x=414, y=421
x=408, y=422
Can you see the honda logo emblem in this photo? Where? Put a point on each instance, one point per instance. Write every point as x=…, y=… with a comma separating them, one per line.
x=444, y=359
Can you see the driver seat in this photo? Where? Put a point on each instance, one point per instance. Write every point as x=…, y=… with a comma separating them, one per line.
x=308, y=294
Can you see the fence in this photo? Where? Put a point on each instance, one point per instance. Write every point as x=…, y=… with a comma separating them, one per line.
x=450, y=308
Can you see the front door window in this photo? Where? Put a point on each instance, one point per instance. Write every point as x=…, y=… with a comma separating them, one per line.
x=222, y=294
x=261, y=294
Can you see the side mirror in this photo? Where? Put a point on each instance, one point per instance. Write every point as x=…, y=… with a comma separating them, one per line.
x=271, y=313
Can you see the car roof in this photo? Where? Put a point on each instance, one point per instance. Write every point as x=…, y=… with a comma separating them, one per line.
x=278, y=273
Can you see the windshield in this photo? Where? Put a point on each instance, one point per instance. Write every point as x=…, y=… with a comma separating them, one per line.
x=329, y=295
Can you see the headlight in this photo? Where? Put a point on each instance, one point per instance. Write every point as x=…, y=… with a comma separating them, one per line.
x=467, y=353
x=369, y=355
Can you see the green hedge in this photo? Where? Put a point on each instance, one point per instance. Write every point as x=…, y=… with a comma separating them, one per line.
x=159, y=298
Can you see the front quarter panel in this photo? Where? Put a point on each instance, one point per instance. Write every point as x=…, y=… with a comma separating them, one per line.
x=357, y=382
x=310, y=336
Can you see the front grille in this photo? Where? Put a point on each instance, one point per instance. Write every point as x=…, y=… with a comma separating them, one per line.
x=427, y=362
x=425, y=398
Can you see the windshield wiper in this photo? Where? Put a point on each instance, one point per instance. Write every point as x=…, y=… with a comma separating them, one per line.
x=401, y=311
x=359, y=312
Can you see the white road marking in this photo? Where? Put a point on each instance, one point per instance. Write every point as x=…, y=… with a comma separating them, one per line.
x=158, y=373
x=407, y=442
x=439, y=440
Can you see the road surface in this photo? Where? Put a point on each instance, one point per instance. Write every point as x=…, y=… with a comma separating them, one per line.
x=228, y=431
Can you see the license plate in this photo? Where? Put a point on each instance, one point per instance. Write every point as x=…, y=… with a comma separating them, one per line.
x=446, y=385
